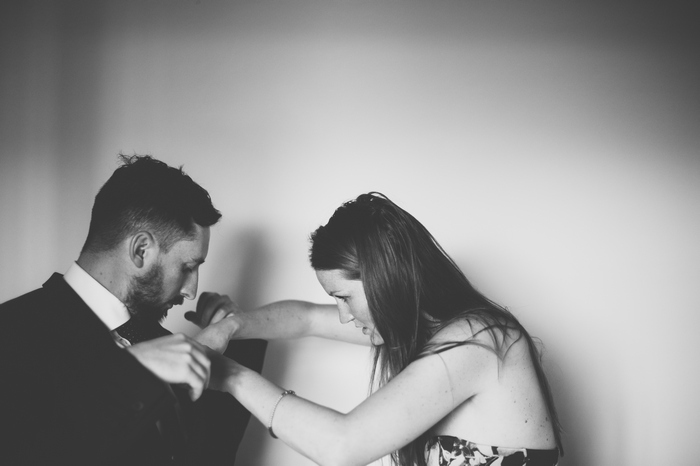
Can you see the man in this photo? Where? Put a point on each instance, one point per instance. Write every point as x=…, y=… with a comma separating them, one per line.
x=89, y=375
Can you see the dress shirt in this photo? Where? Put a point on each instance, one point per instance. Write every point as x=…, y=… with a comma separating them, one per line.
x=99, y=299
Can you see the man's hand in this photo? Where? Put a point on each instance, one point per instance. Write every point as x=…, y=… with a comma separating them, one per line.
x=216, y=316
x=211, y=308
x=217, y=335
x=176, y=359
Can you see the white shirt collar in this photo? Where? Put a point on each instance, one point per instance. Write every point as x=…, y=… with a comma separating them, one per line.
x=104, y=304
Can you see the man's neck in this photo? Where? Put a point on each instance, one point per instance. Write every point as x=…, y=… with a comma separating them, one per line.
x=107, y=270
x=110, y=310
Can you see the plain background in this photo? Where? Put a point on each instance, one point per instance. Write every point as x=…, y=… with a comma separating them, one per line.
x=551, y=147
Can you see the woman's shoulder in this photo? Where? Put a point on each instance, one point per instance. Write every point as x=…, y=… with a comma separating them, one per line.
x=470, y=361
x=456, y=330
x=460, y=331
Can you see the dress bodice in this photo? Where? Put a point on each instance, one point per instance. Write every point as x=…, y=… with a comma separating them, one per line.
x=453, y=451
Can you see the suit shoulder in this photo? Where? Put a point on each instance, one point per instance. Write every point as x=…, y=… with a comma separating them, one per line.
x=26, y=301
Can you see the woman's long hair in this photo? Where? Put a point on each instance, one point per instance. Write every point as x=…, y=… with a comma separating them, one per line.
x=413, y=289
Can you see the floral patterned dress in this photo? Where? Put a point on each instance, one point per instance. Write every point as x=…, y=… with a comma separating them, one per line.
x=453, y=451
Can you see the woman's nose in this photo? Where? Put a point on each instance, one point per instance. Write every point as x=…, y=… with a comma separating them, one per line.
x=344, y=315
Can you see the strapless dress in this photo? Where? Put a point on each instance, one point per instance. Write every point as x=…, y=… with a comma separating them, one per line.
x=453, y=451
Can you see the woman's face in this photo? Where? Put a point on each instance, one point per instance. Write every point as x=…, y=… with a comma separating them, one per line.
x=351, y=300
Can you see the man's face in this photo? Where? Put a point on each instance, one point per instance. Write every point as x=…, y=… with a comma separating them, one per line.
x=172, y=277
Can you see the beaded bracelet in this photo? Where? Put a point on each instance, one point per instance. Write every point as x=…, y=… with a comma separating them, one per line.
x=274, y=408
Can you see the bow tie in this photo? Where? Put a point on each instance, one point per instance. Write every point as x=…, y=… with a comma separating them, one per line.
x=136, y=330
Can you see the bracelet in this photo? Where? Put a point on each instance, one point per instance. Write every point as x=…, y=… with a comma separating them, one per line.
x=284, y=393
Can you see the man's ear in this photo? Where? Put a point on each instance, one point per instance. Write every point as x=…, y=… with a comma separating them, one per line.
x=142, y=248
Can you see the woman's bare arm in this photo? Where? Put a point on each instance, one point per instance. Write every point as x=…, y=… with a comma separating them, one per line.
x=409, y=405
x=279, y=320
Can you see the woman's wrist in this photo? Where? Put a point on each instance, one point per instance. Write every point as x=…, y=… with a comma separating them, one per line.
x=232, y=372
x=224, y=373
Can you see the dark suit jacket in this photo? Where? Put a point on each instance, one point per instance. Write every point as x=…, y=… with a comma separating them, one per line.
x=70, y=395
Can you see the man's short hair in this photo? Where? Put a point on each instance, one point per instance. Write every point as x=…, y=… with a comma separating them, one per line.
x=147, y=194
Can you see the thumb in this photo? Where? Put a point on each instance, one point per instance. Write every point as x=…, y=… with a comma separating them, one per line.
x=192, y=317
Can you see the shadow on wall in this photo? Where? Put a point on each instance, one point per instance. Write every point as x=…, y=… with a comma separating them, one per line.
x=566, y=408
x=246, y=262
x=578, y=410
x=243, y=264
x=241, y=270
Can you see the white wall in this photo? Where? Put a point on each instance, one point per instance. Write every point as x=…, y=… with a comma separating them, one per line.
x=552, y=149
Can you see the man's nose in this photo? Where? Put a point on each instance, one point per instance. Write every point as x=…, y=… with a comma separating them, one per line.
x=189, y=288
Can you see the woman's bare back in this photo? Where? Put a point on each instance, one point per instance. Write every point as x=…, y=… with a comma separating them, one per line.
x=509, y=407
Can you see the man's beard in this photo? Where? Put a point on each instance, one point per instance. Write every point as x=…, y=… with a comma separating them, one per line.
x=144, y=299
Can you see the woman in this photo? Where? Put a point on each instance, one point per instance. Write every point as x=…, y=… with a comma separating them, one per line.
x=457, y=380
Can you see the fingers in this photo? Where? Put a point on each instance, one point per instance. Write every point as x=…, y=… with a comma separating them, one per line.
x=200, y=362
x=195, y=393
x=176, y=359
x=195, y=365
x=192, y=317
x=211, y=308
